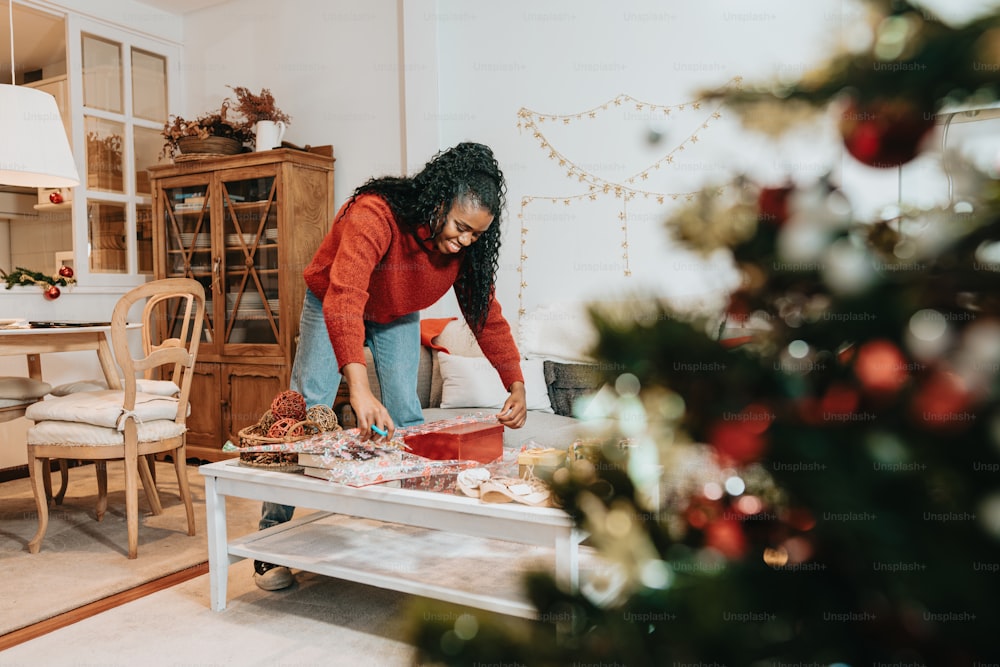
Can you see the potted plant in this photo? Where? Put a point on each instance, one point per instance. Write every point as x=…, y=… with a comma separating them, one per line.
x=212, y=132
x=261, y=113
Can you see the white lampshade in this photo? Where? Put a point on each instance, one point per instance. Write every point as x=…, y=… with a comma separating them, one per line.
x=34, y=151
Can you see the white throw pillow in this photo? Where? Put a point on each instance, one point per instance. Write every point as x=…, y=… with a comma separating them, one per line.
x=472, y=382
x=459, y=340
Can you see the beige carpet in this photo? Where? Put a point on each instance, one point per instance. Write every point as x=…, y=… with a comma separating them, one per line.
x=319, y=621
x=83, y=560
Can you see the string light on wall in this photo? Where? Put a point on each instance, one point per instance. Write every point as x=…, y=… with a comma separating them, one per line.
x=597, y=186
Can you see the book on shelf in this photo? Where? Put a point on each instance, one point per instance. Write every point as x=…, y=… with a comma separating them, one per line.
x=331, y=476
x=191, y=203
x=317, y=461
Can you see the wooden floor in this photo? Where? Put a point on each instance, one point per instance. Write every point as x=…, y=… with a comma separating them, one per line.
x=70, y=617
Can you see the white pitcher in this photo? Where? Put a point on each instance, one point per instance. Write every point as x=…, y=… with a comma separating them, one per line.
x=269, y=134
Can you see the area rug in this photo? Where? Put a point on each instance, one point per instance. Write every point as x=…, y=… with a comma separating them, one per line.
x=319, y=621
x=83, y=560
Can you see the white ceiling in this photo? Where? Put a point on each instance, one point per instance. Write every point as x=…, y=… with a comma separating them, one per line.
x=181, y=6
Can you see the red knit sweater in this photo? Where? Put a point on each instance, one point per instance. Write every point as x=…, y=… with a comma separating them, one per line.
x=369, y=268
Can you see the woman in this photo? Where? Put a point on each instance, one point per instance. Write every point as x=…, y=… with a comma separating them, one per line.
x=396, y=247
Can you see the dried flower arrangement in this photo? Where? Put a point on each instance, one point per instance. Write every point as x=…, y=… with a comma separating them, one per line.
x=234, y=120
x=212, y=124
x=254, y=107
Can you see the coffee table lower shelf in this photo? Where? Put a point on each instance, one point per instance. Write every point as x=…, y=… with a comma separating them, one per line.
x=411, y=560
x=435, y=545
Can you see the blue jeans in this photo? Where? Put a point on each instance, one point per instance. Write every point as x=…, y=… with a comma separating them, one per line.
x=395, y=348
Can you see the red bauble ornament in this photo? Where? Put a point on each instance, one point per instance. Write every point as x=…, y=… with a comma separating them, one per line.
x=881, y=367
x=943, y=403
x=52, y=293
x=726, y=536
x=56, y=197
x=738, y=440
x=884, y=133
x=772, y=205
x=838, y=403
x=66, y=271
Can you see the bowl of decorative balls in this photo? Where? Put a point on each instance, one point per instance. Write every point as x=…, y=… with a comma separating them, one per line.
x=287, y=421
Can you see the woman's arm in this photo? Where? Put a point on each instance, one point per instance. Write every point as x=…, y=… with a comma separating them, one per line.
x=368, y=409
x=497, y=343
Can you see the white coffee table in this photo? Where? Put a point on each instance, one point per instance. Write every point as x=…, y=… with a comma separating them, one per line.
x=299, y=543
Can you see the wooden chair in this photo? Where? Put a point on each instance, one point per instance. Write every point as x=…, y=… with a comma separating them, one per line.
x=127, y=424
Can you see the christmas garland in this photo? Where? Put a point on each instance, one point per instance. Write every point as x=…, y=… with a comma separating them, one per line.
x=51, y=284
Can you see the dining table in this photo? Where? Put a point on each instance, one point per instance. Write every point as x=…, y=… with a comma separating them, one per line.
x=67, y=336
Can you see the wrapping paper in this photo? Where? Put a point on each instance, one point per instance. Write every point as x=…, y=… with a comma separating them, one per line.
x=345, y=458
x=400, y=465
x=347, y=440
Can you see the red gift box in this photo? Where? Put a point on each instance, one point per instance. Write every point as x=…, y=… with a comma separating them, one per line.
x=465, y=442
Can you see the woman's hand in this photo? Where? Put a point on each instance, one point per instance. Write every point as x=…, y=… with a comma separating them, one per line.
x=368, y=410
x=515, y=409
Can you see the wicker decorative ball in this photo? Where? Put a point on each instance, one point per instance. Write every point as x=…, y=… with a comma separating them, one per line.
x=266, y=420
x=289, y=405
x=323, y=416
x=285, y=427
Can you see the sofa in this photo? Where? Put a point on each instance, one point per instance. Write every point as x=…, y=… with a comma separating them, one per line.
x=455, y=378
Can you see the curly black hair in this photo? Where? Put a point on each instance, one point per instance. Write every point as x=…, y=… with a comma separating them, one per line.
x=469, y=172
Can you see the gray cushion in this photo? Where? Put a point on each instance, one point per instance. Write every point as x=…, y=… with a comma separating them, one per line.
x=566, y=382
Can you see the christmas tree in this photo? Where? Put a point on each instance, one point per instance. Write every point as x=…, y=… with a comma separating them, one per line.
x=830, y=490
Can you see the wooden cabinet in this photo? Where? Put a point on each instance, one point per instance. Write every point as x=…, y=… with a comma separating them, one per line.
x=245, y=226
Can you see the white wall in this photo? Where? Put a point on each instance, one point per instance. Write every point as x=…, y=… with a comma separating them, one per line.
x=331, y=65
x=563, y=57
x=469, y=66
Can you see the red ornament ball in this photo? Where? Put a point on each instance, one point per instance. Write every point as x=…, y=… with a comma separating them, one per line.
x=881, y=367
x=772, y=205
x=943, y=403
x=289, y=404
x=285, y=427
x=884, y=133
x=52, y=293
x=56, y=197
x=727, y=537
x=66, y=271
x=738, y=441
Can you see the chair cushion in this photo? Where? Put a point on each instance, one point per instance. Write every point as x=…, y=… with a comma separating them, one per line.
x=74, y=433
x=21, y=389
x=158, y=387
x=102, y=408
x=13, y=402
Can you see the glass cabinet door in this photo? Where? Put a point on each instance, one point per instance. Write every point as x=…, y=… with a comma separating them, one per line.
x=188, y=242
x=250, y=260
